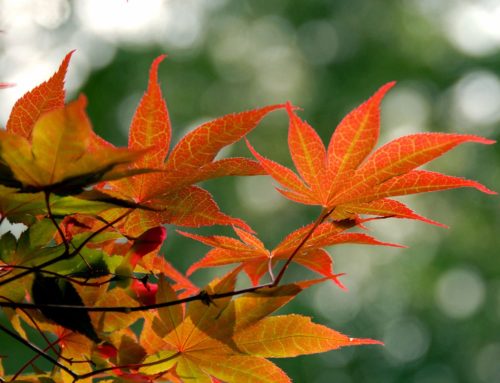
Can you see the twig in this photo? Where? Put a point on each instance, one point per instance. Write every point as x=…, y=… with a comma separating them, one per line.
x=323, y=216
x=33, y=360
x=38, y=350
x=135, y=366
x=64, y=255
x=51, y=217
x=67, y=277
x=202, y=296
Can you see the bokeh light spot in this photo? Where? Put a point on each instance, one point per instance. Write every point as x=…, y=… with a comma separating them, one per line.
x=51, y=14
x=338, y=306
x=319, y=42
x=406, y=340
x=460, y=292
x=259, y=194
x=477, y=97
x=406, y=110
x=474, y=28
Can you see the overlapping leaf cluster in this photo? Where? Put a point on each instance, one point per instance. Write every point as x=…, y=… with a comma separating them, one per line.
x=88, y=266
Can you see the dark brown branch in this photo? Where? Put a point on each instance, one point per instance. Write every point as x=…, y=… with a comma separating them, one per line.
x=33, y=360
x=126, y=366
x=51, y=217
x=67, y=277
x=38, y=350
x=202, y=296
x=64, y=255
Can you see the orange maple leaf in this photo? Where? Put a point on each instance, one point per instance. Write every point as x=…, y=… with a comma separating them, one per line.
x=351, y=178
x=45, y=97
x=53, y=153
x=171, y=192
x=46, y=145
x=257, y=260
x=230, y=340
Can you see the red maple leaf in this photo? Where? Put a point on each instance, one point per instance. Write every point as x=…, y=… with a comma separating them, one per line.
x=350, y=178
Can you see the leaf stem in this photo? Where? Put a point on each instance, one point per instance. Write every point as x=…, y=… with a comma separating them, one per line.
x=322, y=217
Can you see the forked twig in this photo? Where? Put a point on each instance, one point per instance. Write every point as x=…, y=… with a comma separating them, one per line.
x=201, y=296
x=65, y=254
x=38, y=350
x=323, y=216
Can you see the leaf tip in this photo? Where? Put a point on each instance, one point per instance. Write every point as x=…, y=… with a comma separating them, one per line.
x=335, y=279
x=381, y=92
x=482, y=188
x=291, y=107
x=364, y=341
x=241, y=224
x=153, y=72
x=158, y=60
x=64, y=65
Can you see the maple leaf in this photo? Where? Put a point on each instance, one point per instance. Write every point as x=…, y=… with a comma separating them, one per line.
x=19, y=207
x=45, y=145
x=230, y=339
x=256, y=259
x=77, y=351
x=171, y=192
x=44, y=98
x=351, y=178
x=56, y=157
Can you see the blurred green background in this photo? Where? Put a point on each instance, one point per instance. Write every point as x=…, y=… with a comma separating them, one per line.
x=436, y=305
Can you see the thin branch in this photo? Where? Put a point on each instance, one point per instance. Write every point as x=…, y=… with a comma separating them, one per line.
x=38, y=350
x=35, y=324
x=51, y=217
x=67, y=277
x=323, y=216
x=202, y=296
x=33, y=360
x=100, y=230
x=127, y=366
x=64, y=255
